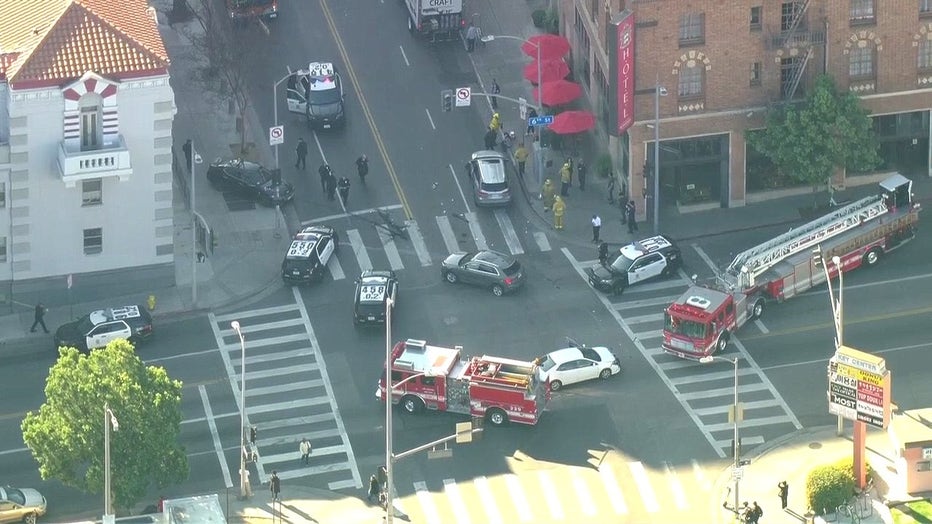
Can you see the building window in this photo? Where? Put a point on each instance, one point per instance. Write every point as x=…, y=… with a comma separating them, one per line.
x=2, y=194
x=861, y=62
x=690, y=82
x=925, y=8
x=756, y=22
x=790, y=12
x=90, y=128
x=692, y=29
x=2, y=249
x=93, y=241
x=92, y=192
x=925, y=55
x=862, y=12
x=756, y=69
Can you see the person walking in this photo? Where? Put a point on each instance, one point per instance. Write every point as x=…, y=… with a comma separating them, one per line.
x=301, y=152
x=521, y=155
x=472, y=34
x=305, y=448
x=275, y=486
x=343, y=185
x=39, y=319
x=374, y=488
x=566, y=178
x=581, y=175
x=629, y=217
x=596, y=227
x=490, y=139
x=603, y=253
x=755, y=513
x=331, y=183
x=531, y=113
x=496, y=90
x=324, y=171
x=783, y=491
x=188, y=149
x=496, y=122
x=246, y=484
x=559, y=209
x=611, y=188
x=362, y=167
x=546, y=194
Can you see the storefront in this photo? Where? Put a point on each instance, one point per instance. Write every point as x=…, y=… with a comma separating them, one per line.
x=904, y=142
x=693, y=171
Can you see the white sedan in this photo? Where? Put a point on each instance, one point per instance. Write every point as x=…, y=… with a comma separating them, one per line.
x=577, y=364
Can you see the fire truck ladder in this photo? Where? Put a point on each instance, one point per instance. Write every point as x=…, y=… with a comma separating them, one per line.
x=747, y=266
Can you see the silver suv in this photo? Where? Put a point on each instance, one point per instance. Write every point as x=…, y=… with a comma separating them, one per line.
x=496, y=271
x=486, y=170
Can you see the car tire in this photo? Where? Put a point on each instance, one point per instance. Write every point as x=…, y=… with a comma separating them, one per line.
x=411, y=404
x=498, y=290
x=450, y=277
x=497, y=417
x=606, y=373
x=556, y=385
x=872, y=257
x=758, y=310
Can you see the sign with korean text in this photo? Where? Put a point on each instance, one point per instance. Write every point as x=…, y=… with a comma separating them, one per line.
x=621, y=72
x=859, y=387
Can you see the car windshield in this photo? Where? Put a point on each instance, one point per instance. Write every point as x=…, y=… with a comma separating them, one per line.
x=325, y=97
x=590, y=353
x=494, y=187
x=85, y=325
x=620, y=262
x=546, y=363
x=15, y=496
x=687, y=328
x=301, y=264
x=371, y=308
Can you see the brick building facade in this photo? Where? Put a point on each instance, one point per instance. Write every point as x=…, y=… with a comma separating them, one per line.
x=720, y=65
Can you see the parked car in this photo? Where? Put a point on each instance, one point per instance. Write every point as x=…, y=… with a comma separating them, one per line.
x=250, y=180
x=486, y=170
x=650, y=258
x=373, y=289
x=21, y=505
x=99, y=328
x=577, y=364
x=496, y=271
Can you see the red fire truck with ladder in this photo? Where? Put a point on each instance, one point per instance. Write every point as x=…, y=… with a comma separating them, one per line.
x=442, y=379
x=701, y=321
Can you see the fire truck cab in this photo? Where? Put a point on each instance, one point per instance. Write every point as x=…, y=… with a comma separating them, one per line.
x=442, y=379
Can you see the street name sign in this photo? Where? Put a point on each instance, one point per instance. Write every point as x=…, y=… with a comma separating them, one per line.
x=463, y=96
x=540, y=121
x=276, y=135
x=859, y=387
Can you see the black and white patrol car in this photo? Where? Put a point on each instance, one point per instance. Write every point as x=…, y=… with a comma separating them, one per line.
x=99, y=328
x=317, y=92
x=636, y=262
x=373, y=289
x=308, y=254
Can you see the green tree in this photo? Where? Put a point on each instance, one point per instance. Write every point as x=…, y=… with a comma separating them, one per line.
x=809, y=141
x=66, y=434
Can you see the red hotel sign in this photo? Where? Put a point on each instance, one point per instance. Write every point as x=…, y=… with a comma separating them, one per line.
x=622, y=72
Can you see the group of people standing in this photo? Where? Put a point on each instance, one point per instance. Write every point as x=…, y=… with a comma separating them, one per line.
x=329, y=184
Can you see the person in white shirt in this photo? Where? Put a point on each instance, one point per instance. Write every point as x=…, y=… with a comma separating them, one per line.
x=596, y=227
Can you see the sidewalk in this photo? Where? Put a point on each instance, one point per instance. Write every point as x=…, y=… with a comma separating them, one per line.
x=301, y=504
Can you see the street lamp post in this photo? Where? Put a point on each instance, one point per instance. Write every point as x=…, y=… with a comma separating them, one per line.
x=109, y=420
x=389, y=391
x=275, y=110
x=737, y=416
x=242, y=409
x=837, y=310
x=659, y=91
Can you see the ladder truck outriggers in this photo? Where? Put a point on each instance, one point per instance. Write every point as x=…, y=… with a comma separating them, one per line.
x=438, y=378
x=701, y=321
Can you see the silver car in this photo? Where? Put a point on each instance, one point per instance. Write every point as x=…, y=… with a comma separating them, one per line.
x=486, y=170
x=496, y=271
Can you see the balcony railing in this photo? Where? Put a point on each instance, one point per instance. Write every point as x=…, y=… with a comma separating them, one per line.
x=798, y=38
x=110, y=160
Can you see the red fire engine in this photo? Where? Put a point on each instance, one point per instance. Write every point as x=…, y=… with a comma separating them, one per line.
x=442, y=379
x=701, y=321
x=243, y=9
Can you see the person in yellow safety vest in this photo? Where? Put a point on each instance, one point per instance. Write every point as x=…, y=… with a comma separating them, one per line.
x=496, y=122
x=547, y=194
x=566, y=177
x=521, y=155
x=559, y=208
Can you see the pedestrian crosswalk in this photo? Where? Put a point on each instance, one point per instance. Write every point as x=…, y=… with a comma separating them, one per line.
x=613, y=491
x=374, y=243
x=288, y=393
x=706, y=391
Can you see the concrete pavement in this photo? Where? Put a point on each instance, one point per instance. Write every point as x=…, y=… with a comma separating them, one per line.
x=304, y=505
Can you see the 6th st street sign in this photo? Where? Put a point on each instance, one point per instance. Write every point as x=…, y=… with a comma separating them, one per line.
x=540, y=121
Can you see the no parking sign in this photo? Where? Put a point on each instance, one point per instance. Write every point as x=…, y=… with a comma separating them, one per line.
x=463, y=96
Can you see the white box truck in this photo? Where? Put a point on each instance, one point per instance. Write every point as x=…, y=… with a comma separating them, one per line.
x=435, y=19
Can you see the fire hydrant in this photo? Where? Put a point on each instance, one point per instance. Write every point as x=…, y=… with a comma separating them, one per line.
x=150, y=302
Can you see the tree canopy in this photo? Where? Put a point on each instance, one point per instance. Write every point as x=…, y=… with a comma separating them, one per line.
x=66, y=434
x=809, y=141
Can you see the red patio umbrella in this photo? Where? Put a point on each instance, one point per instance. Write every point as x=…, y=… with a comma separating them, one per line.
x=551, y=46
x=570, y=122
x=558, y=93
x=550, y=70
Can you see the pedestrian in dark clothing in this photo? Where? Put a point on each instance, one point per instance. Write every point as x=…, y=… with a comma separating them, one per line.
x=188, y=149
x=275, y=486
x=531, y=113
x=490, y=140
x=581, y=174
x=755, y=513
x=496, y=90
x=382, y=475
x=603, y=253
x=301, y=150
x=783, y=491
x=629, y=217
x=611, y=188
x=596, y=227
x=343, y=186
x=374, y=488
x=39, y=318
x=324, y=172
x=362, y=167
x=331, y=184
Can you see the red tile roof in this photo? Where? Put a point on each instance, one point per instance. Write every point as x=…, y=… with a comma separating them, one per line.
x=50, y=42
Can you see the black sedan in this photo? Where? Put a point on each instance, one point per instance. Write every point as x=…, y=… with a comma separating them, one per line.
x=251, y=180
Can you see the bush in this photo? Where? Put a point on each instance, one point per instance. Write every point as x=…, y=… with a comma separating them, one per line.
x=603, y=165
x=831, y=485
x=539, y=17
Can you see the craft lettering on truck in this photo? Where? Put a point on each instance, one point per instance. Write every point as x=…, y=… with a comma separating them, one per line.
x=701, y=321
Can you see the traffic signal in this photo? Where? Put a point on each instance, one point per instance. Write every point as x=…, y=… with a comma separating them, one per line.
x=446, y=97
x=252, y=435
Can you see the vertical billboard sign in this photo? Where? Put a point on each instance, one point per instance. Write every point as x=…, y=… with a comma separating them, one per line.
x=859, y=387
x=621, y=72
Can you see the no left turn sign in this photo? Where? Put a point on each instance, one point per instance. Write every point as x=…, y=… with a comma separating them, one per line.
x=463, y=96
x=276, y=135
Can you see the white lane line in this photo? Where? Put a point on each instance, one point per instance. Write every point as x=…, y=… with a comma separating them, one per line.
x=751, y=440
x=427, y=503
x=476, y=231
x=320, y=149
x=349, y=215
x=250, y=329
x=518, y=497
x=456, y=501
x=458, y=186
x=722, y=392
x=766, y=380
x=240, y=315
x=551, y=495
x=541, y=238
x=335, y=269
x=359, y=249
x=760, y=325
x=700, y=475
x=679, y=494
x=430, y=119
x=615, y=496
x=321, y=365
x=508, y=230
x=752, y=423
x=391, y=251
x=404, y=55
x=705, y=258
x=446, y=231
x=582, y=492
x=218, y=447
x=644, y=487
x=487, y=496
x=417, y=240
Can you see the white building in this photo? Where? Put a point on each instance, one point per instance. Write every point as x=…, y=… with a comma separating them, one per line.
x=85, y=149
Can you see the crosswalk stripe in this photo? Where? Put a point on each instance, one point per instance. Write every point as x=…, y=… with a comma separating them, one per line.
x=359, y=249
x=264, y=326
x=307, y=471
x=456, y=501
x=289, y=406
x=254, y=392
x=660, y=284
x=279, y=372
x=700, y=476
x=508, y=229
x=268, y=341
x=518, y=497
x=644, y=487
x=295, y=439
x=679, y=494
x=278, y=355
x=582, y=492
x=722, y=409
x=327, y=417
x=679, y=363
x=640, y=319
x=391, y=251
x=417, y=240
x=492, y=513
x=551, y=496
x=710, y=377
x=747, y=440
x=654, y=333
x=541, y=238
x=476, y=231
x=750, y=422
x=240, y=315
x=427, y=503
x=446, y=231
x=335, y=269
x=722, y=392
x=648, y=302
x=615, y=496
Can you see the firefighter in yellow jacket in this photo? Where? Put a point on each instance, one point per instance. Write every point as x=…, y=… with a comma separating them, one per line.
x=559, y=208
x=496, y=123
x=546, y=194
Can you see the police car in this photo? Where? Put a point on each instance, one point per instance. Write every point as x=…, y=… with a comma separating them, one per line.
x=99, y=328
x=646, y=259
x=373, y=289
x=317, y=93
x=308, y=254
